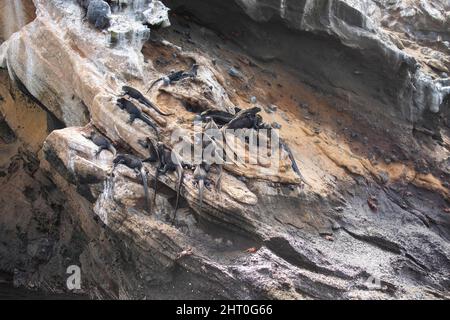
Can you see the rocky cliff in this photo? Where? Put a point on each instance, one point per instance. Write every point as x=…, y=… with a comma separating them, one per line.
x=357, y=89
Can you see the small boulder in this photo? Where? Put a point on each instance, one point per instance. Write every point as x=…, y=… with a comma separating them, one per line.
x=276, y=125
x=157, y=15
x=98, y=14
x=271, y=108
x=234, y=73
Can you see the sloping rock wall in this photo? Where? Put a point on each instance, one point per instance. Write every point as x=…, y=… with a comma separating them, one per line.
x=357, y=229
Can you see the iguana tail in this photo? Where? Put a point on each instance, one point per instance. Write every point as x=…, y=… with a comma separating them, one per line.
x=153, y=84
x=294, y=163
x=149, y=104
x=144, y=183
x=155, y=186
x=150, y=123
x=112, y=149
x=180, y=183
x=201, y=185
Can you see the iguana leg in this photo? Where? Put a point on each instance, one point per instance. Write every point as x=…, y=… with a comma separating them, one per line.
x=100, y=149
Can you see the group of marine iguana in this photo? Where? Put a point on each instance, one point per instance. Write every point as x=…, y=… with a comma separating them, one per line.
x=167, y=159
x=134, y=111
x=176, y=76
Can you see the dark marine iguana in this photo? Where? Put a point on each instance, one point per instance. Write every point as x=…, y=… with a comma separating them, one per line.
x=101, y=142
x=136, y=164
x=136, y=94
x=135, y=113
x=245, y=119
x=284, y=146
x=210, y=130
x=176, y=76
x=169, y=161
x=201, y=179
x=220, y=117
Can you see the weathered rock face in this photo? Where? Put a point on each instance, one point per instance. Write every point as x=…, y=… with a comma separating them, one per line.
x=360, y=51
x=15, y=14
x=372, y=221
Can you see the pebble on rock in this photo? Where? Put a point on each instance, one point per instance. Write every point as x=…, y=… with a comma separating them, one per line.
x=234, y=73
x=276, y=125
x=273, y=107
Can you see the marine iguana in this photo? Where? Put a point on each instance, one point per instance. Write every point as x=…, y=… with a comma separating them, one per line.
x=101, y=142
x=136, y=164
x=176, y=76
x=284, y=146
x=211, y=124
x=220, y=117
x=201, y=179
x=212, y=127
x=169, y=161
x=258, y=124
x=135, y=113
x=245, y=119
x=136, y=94
x=218, y=144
